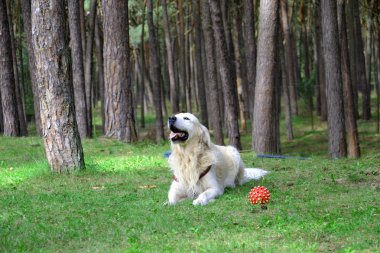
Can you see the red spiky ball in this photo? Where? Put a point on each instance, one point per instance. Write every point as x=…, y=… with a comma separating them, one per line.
x=259, y=194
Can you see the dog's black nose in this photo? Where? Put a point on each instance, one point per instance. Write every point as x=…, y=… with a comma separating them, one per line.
x=172, y=119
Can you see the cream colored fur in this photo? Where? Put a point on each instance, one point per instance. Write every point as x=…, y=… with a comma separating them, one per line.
x=191, y=158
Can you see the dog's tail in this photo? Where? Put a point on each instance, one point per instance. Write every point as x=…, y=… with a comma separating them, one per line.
x=253, y=174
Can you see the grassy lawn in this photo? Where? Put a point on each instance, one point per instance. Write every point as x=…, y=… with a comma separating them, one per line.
x=116, y=204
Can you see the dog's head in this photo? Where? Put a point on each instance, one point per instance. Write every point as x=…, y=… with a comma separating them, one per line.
x=185, y=127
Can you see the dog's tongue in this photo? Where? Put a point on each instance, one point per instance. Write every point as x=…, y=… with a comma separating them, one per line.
x=174, y=135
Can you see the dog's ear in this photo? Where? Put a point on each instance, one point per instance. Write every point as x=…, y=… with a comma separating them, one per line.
x=205, y=135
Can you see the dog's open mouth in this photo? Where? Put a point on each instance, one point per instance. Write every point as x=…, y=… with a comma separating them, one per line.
x=177, y=135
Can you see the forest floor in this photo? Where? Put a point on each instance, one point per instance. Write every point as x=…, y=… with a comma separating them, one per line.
x=116, y=204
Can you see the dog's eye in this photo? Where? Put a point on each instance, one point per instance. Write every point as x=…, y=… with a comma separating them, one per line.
x=186, y=118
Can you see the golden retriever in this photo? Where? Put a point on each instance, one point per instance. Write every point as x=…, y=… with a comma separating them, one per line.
x=201, y=170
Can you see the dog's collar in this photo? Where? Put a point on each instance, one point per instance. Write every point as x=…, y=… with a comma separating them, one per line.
x=200, y=176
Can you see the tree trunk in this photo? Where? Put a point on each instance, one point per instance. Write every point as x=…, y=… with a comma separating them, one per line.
x=77, y=67
x=285, y=88
x=212, y=85
x=142, y=90
x=352, y=46
x=26, y=17
x=88, y=77
x=333, y=79
x=361, y=73
x=7, y=78
x=241, y=78
x=320, y=64
x=198, y=61
x=289, y=55
x=262, y=134
x=1, y=117
x=225, y=71
x=250, y=52
x=306, y=59
x=119, y=117
x=18, y=93
x=378, y=82
x=99, y=42
x=353, y=148
x=170, y=60
x=155, y=73
x=369, y=51
x=61, y=137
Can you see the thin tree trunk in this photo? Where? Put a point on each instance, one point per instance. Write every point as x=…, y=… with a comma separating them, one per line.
x=353, y=148
x=241, y=80
x=250, y=53
x=156, y=73
x=88, y=67
x=262, y=134
x=352, y=46
x=288, y=55
x=367, y=58
x=182, y=55
x=225, y=71
x=100, y=62
x=19, y=96
x=214, y=94
x=360, y=60
x=285, y=87
x=333, y=79
x=320, y=64
x=61, y=137
x=7, y=78
x=170, y=60
x=142, y=90
x=26, y=17
x=1, y=117
x=378, y=82
x=305, y=48
x=198, y=61
x=77, y=66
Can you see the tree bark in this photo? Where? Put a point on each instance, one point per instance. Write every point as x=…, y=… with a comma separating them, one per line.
x=241, y=77
x=352, y=45
x=250, y=54
x=262, y=134
x=353, y=148
x=360, y=60
x=378, y=81
x=170, y=60
x=18, y=93
x=225, y=71
x=333, y=79
x=119, y=117
x=60, y=132
x=1, y=117
x=26, y=18
x=285, y=88
x=320, y=64
x=286, y=30
x=7, y=78
x=212, y=85
x=155, y=73
x=99, y=42
x=88, y=77
x=142, y=90
x=78, y=67
x=198, y=61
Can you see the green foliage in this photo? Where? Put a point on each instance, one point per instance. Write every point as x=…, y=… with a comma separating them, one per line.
x=116, y=204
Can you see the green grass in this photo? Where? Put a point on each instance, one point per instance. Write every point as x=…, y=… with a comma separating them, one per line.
x=116, y=204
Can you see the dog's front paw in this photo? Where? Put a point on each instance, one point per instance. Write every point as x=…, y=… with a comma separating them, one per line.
x=202, y=200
